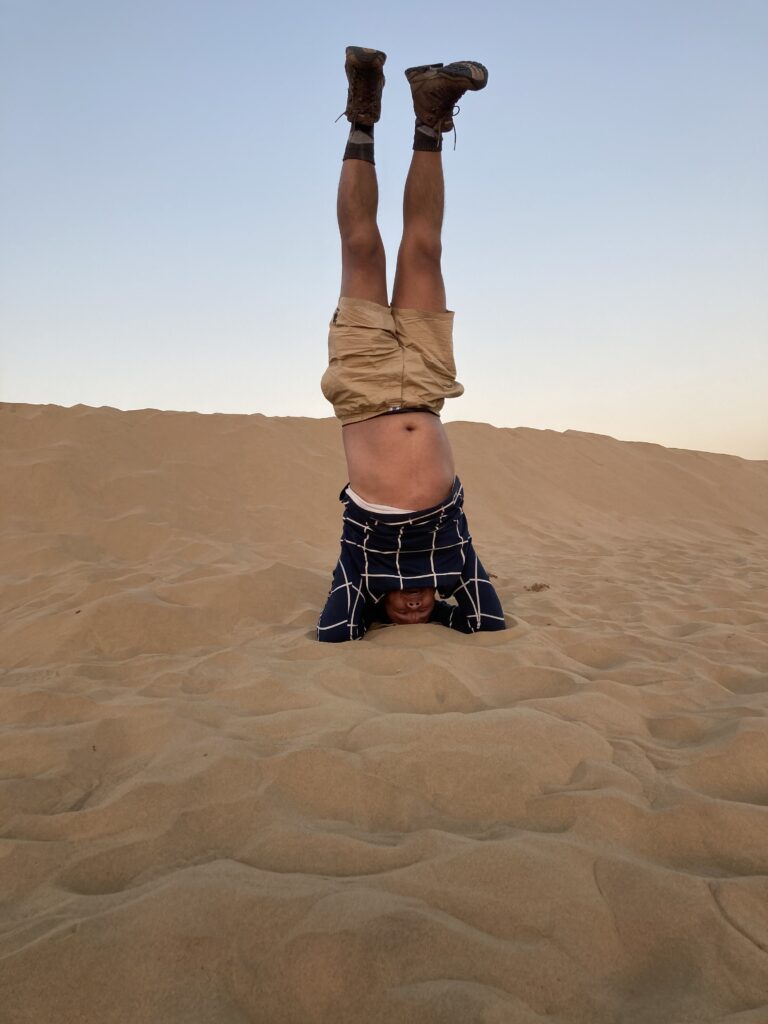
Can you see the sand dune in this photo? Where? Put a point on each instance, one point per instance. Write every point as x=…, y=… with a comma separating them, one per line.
x=207, y=817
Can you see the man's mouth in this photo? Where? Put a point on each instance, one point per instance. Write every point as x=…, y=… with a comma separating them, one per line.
x=408, y=617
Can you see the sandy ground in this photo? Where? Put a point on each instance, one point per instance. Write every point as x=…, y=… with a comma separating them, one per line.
x=209, y=818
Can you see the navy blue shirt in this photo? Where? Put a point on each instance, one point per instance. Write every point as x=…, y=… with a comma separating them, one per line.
x=430, y=548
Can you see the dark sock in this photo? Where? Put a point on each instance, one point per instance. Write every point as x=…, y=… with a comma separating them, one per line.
x=427, y=139
x=360, y=143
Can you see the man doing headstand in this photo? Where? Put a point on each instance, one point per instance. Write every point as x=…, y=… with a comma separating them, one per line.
x=405, y=537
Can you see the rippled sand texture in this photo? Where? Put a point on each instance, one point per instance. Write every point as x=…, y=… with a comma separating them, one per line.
x=206, y=816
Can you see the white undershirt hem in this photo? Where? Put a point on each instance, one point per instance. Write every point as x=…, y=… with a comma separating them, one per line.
x=382, y=510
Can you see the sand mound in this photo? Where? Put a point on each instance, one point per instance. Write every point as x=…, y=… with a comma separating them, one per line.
x=209, y=818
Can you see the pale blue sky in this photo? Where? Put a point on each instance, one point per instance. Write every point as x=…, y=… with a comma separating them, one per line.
x=168, y=175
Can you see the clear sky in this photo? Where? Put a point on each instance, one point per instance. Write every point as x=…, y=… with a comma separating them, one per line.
x=168, y=177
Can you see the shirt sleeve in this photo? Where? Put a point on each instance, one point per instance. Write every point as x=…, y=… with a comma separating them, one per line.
x=345, y=615
x=477, y=605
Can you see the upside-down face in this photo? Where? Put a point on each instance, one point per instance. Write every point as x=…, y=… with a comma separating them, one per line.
x=409, y=607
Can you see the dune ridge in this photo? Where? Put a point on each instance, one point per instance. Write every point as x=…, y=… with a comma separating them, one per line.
x=207, y=816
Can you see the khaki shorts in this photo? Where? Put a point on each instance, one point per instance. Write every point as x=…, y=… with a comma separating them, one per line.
x=384, y=360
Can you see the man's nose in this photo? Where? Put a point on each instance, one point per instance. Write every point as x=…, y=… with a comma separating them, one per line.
x=414, y=602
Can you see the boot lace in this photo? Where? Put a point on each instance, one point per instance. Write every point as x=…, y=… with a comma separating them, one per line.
x=363, y=89
x=454, y=111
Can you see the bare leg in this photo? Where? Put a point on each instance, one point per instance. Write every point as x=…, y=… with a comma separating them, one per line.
x=419, y=279
x=405, y=460
x=363, y=263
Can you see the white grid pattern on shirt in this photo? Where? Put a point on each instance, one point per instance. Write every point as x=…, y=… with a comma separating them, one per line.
x=468, y=587
x=350, y=588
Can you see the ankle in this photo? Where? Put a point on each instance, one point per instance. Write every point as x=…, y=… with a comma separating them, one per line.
x=360, y=143
x=426, y=139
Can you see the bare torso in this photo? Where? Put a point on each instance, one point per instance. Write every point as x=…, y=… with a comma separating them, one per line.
x=403, y=460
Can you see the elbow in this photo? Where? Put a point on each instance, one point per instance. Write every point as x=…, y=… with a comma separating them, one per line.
x=332, y=636
x=492, y=625
x=340, y=633
x=488, y=624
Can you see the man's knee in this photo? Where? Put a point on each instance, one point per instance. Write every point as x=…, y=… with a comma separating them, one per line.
x=422, y=250
x=363, y=247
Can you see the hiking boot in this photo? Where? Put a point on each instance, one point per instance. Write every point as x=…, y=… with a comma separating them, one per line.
x=366, y=81
x=436, y=88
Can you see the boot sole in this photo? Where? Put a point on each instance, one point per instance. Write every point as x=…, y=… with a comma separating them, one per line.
x=364, y=57
x=454, y=71
x=422, y=67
